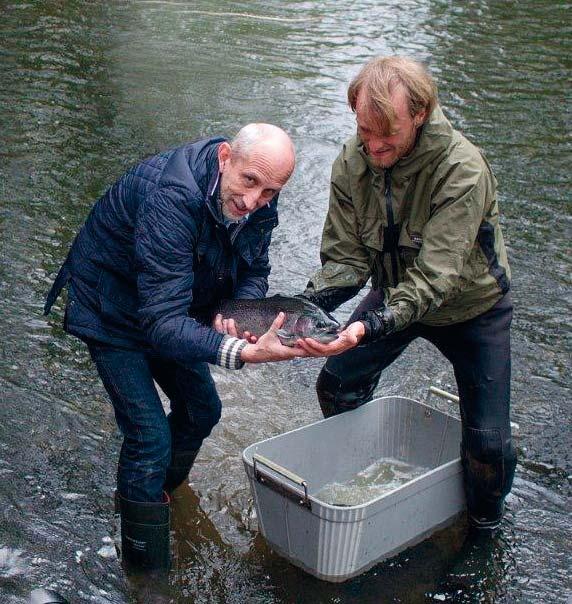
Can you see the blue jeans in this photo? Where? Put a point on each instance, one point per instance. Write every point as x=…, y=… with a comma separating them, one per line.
x=150, y=437
x=479, y=350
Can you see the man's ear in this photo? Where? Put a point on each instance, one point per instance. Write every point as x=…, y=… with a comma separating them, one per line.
x=224, y=154
x=419, y=119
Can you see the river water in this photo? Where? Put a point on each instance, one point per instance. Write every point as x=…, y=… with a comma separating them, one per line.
x=87, y=88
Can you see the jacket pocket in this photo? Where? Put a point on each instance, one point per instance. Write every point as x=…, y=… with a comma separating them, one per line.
x=409, y=244
x=371, y=235
x=118, y=300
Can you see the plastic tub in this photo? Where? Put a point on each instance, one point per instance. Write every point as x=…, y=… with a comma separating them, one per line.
x=334, y=542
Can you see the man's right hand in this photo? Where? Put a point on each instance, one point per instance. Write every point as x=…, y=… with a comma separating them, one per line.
x=269, y=348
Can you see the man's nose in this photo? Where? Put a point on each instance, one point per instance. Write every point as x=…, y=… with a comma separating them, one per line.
x=251, y=198
x=376, y=142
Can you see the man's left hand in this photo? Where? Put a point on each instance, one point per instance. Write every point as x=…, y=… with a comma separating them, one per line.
x=348, y=338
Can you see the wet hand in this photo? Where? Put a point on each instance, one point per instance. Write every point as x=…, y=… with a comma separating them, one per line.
x=228, y=326
x=269, y=348
x=347, y=339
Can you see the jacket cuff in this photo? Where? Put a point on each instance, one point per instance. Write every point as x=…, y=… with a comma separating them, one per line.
x=377, y=324
x=228, y=354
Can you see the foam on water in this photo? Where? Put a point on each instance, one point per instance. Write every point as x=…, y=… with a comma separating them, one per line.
x=379, y=478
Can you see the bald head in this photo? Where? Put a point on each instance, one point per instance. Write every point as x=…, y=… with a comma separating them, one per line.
x=254, y=167
x=268, y=140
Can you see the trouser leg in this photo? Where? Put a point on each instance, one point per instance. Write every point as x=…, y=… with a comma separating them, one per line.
x=144, y=457
x=480, y=353
x=195, y=410
x=348, y=380
x=146, y=448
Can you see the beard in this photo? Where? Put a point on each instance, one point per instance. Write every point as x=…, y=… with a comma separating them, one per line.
x=227, y=204
x=384, y=163
x=396, y=153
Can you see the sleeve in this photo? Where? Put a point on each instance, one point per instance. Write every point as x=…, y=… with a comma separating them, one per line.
x=345, y=261
x=458, y=206
x=166, y=232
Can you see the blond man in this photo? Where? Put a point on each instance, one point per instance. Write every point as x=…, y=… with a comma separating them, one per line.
x=413, y=207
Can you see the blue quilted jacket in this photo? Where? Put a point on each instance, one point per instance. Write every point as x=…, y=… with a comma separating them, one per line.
x=155, y=250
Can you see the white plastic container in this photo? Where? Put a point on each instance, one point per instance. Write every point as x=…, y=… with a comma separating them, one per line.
x=336, y=543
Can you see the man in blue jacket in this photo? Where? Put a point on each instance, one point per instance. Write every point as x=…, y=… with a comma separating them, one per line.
x=175, y=234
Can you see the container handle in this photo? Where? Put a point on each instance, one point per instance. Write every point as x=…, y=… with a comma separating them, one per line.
x=275, y=484
x=515, y=428
x=443, y=394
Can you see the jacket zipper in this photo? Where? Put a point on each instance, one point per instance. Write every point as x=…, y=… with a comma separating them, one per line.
x=236, y=231
x=391, y=225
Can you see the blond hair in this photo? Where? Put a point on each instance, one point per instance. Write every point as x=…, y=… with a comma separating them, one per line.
x=379, y=78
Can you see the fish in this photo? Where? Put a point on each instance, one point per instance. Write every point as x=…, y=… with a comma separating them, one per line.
x=303, y=318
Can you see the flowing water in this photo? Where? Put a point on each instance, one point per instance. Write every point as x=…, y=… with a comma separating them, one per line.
x=87, y=87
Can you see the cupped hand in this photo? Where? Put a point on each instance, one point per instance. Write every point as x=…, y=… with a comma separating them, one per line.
x=269, y=348
x=347, y=339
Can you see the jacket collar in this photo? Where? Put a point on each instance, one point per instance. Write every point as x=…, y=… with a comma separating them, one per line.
x=212, y=197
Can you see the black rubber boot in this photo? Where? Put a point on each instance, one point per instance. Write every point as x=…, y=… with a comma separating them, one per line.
x=145, y=535
x=489, y=462
x=179, y=468
x=487, y=516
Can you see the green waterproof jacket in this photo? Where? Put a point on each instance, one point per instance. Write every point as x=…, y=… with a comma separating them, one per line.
x=425, y=230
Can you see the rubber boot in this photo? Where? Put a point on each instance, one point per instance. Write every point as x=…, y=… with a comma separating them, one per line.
x=145, y=534
x=179, y=468
x=486, y=516
x=489, y=462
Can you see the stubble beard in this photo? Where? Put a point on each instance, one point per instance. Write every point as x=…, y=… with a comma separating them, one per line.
x=226, y=203
x=399, y=153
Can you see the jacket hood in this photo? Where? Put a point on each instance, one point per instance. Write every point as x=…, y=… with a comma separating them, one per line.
x=434, y=138
x=193, y=166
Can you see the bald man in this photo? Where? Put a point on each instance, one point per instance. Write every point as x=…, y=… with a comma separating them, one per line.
x=174, y=235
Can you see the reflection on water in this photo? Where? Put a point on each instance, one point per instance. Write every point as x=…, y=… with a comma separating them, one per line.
x=89, y=87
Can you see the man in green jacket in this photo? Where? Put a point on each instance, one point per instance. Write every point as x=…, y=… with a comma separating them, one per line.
x=413, y=206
